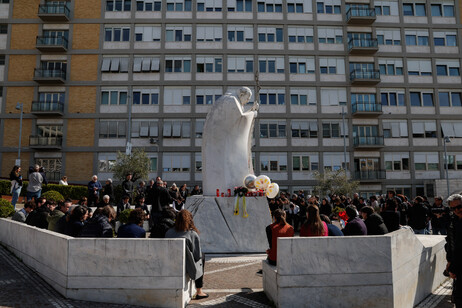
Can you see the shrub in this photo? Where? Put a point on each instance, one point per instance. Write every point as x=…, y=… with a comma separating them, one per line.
x=52, y=195
x=124, y=215
x=74, y=192
x=6, y=208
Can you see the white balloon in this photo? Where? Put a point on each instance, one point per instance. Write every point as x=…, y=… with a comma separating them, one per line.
x=272, y=190
x=249, y=181
x=262, y=182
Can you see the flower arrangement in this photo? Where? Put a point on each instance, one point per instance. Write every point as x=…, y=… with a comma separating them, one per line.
x=240, y=191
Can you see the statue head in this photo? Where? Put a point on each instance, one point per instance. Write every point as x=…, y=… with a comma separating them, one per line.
x=244, y=94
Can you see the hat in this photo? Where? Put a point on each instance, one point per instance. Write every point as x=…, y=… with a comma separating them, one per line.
x=109, y=180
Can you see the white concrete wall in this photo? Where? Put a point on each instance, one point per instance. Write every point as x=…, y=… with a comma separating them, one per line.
x=394, y=270
x=148, y=272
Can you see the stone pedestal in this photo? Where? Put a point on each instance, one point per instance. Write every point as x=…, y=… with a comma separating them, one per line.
x=222, y=232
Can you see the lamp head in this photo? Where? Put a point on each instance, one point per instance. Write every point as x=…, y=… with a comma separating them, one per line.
x=446, y=139
x=18, y=106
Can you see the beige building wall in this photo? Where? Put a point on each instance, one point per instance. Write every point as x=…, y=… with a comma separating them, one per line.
x=25, y=8
x=87, y=9
x=11, y=132
x=21, y=67
x=23, y=36
x=84, y=67
x=15, y=95
x=80, y=132
x=9, y=159
x=79, y=165
x=85, y=36
x=82, y=99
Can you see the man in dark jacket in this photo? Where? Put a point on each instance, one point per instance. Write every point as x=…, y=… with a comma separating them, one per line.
x=454, y=247
x=39, y=217
x=133, y=229
x=127, y=186
x=419, y=215
x=94, y=188
x=99, y=225
x=160, y=199
x=439, y=217
x=373, y=221
x=355, y=225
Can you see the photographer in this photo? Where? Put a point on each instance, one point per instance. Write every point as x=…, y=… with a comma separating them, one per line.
x=439, y=217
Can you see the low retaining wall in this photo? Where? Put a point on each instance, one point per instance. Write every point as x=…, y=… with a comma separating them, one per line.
x=398, y=269
x=149, y=272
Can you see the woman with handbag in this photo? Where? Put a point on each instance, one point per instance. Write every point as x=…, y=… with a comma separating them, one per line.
x=16, y=184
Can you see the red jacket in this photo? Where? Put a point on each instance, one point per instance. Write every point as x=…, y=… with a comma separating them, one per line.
x=278, y=230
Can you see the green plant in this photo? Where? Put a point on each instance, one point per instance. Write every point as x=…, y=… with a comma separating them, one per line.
x=74, y=192
x=137, y=163
x=124, y=215
x=52, y=195
x=334, y=182
x=6, y=208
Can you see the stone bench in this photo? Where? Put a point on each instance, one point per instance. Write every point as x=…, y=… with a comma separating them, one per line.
x=398, y=269
x=149, y=272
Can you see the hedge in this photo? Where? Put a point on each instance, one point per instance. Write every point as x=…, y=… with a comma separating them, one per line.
x=6, y=208
x=74, y=192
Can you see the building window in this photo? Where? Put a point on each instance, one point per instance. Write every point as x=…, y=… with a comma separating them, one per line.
x=177, y=96
x=391, y=37
x=426, y=161
x=445, y=38
x=455, y=161
x=269, y=6
x=2, y=59
x=391, y=67
x=328, y=35
x=272, y=97
x=419, y=67
x=328, y=7
x=117, y=34
x=239, y=5
x=414, y=9
x=153, y=164
x=209, y=6
x=416, y=37
x=451, y=129
x=145, y=96
x=176, y=129
x=240, y=33
x=272, y=129
x=146, y=64
x=240, y=64
x=114, y=65
x=207, y=96
x=424, y=129
x=392, y=97
x=299, y=6
x=273, y=162
x=386, y=8
x=443, y=9
x=304, y=129
x=106, y=162
x=114, y=97
x=147, y=33
x=176, y=162
x=333, y=97
x=144, y=129
x=331, y=129
x=422, y=99
x=447, y=67
x=303, y=96
x=332, y=66
x=335, y=161
x=270, y=34
x=305, y=162
x=209, y=64
x=199, y=128
x=51, y=98
x=198, y=162
x=300, y=35
x=148, y=6
x=52, y=166
x=178, y=33
x=177, y=64
x=3, y=29
x=50, y=131
x=118, y=5
x=450, y=99
x=395, y=129
x=179, y=5
x=396, y=161
x=209, y=34
x=271, y=65
x=109, y=129
x=301, y=65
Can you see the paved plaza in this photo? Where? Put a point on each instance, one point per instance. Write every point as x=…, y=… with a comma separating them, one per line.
x=230, y=280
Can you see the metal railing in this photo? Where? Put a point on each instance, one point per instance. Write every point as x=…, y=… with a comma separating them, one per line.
x=362, y=43
x=47, y=106
x=45, y=141
x=365, y=74
x=366, y=107
x=51, y=41
x=360, y=12
x=370, y=175
x=368, y=141
x=49, y=73
x=56, y=9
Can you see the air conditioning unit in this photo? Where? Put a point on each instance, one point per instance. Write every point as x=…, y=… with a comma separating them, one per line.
x=153, y=140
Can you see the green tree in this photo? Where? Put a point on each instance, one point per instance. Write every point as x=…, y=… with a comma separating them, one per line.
x=137, y=163
x=334, y=182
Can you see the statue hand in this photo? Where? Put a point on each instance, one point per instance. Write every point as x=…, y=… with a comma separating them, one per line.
x=255, y=107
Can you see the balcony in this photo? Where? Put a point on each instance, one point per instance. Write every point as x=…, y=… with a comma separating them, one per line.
x=54, y=12
x=47, y=108
x=53, y=44
x=360, y=16
x=366, y=109
x=45, y=143
x=370, y=175
x=368, y=142
x=363, y=46
x=365, y=77
x=49, y=76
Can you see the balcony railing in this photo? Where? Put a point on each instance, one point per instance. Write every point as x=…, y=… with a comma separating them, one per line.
x=363, y=45
x=373, y=141
x=370, y=175
x=47, y=107
x=49, y=75
x=359, y=76
x=51, y=43
x=54, y=12
x=45, y=142
x=366, y=108
x=53, y=176
x=360, y=15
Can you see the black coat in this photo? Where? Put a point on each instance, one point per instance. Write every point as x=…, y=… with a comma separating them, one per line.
x=38, y=217
x=159, y=229
x=97, y=226
x=160, y=198
x=454, y=245
x=109, y=190
x=375, y=225
x=355, y=226
x=418, y=216
x=391, y=220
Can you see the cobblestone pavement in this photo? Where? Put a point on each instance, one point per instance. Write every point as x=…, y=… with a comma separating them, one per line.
x=231, y=282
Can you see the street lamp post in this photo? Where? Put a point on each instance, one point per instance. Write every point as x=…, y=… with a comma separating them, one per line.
x=344, y=138
x=446, y=160
x=19, y=106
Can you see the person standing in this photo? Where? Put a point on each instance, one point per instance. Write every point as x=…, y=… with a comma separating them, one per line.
x=127, y=186
x=439, y=217
x=94, y=188
x=418, y=215
x=16, y=184
x=34, y=189
x=160, y=199
x=109, y=190
x=454, y=247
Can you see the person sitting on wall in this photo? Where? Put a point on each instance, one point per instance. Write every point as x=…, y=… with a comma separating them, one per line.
x=332, y=229
x=38, y=218
x=22, y=214
x=141, y=204
x=57, y=213
x=99, y=225
x=106, y=200
x=134, y=227
x=75, y=221
x=355, y=225
x=374, y=222
x=123, y=205
x=166, y=222
x=280, y=228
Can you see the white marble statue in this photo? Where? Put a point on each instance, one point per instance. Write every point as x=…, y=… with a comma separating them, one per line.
x=226, y=143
